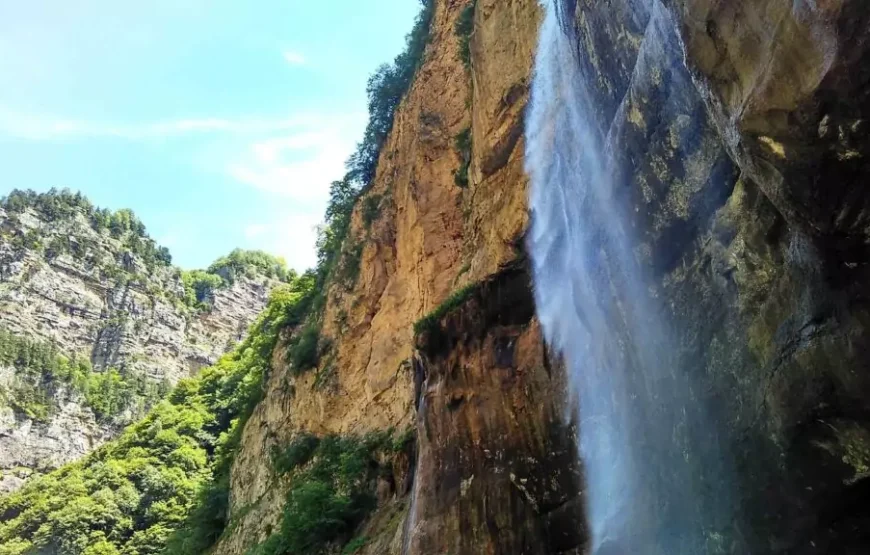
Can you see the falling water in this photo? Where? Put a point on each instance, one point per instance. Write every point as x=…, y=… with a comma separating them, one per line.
x=652, y=485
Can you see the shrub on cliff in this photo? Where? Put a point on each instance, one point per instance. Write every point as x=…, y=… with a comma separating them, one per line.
x=432, y=321
x=250, y=262
x=199, y=286
x=303, y=349
x=464, y=29
x=385, y=90
x=134, y=494
x=462, y=144
x=331, y=493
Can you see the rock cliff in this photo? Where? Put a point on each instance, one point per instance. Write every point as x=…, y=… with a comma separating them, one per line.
x=738, y=157
x=738, y=144
x=495, y=469
x=735, y=141
x=83, y=293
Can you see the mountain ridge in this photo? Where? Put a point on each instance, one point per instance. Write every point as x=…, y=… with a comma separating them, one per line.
x=98, y=325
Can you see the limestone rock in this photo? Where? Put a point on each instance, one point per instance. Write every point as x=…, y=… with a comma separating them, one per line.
x=108, y=307
x=738, y=137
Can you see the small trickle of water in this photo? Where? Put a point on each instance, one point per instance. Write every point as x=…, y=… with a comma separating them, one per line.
x=645, y=489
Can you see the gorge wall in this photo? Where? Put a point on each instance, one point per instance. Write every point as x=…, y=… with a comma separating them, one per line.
x=737, y=142
x=495, y=444
x=80, y=292
x=737, y=154
x=428, y=415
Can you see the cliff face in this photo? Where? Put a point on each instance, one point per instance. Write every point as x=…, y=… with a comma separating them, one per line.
x=98, y=301
x=738, y=152
x=495, y=400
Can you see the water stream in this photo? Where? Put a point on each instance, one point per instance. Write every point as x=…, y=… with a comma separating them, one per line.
x=648, y=472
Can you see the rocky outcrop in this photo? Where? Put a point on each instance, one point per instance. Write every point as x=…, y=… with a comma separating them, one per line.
x=432, y=238
x=738, y=144
x=29, y=446
x=497, y=467
x=738, y=154
x=100, y=302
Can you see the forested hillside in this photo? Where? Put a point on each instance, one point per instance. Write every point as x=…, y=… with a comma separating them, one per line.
x=96, y=324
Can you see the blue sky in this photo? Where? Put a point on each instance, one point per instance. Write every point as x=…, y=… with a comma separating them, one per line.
x=221, y=123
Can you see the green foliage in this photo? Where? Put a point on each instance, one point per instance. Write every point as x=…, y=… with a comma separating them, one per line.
x=404, y=440
x=337, y=262
x=433, y=320
x=199, y=286
x=109, y=393
x=296, y=454
x=63, y=205
x=463, y=144
x=331, y=494
x=464, y=29
x=302, y=352
x=354, y=545
x=250, y=263
x=371, y=209
x=385, y=90
x=40, y=370
x=164, y=483
x=348, y=270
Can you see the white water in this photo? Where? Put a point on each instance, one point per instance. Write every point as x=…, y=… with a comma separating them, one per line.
x=644, y=493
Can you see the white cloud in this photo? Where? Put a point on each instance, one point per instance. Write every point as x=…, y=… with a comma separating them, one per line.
x=292, y=159
x=304, y=179
x=297, y=169
x=299, y=165
x=294, y=58
x=291, y=237
x=255, y=230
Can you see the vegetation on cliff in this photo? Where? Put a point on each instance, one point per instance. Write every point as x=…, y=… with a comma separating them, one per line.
x=464, y=29
x=64, y=205
x=462, y=143
x=41, y=371
x=338, y=253
x=115, y=248
x=430, y=322
x=332, y=491
x=386, y=88
x=163, y=486
x=199, y=285
x=129, y=496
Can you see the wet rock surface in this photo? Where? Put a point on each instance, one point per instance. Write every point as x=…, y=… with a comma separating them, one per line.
x=497, y=464
x=734, y=132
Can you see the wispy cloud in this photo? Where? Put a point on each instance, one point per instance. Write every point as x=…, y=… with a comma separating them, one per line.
x=255, y=230
x=291, y=237
x=299, y=165
x=294, y=58
x=291, y=159
x=42, y=128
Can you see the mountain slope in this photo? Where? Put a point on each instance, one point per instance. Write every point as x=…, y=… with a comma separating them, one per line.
x=400, y=398
x=97, y=325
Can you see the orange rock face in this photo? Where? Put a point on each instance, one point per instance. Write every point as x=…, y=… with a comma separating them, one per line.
x=431, y=238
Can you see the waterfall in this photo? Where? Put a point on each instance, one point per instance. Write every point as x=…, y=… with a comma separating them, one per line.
x=652, y=483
